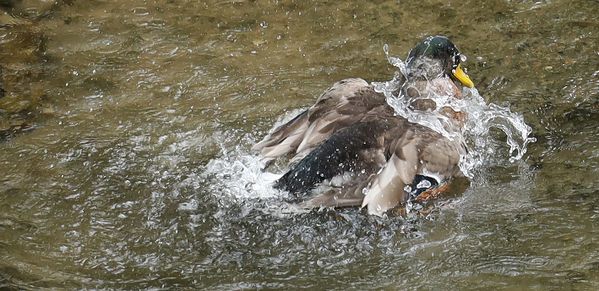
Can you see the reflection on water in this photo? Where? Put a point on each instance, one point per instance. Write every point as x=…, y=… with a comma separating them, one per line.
x=138, y=174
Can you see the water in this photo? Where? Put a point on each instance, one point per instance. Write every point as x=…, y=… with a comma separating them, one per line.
x=138, y=172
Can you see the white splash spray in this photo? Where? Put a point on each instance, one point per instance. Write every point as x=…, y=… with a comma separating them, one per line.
x=475, y=132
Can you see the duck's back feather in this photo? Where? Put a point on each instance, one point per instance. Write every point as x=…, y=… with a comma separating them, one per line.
x=417, y=151
x=383, y=153
x=357, y=147
x=342, y=105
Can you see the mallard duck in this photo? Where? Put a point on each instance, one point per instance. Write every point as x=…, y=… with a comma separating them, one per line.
x=353, y=139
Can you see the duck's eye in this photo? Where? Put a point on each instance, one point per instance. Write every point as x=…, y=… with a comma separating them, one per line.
x=457, y=59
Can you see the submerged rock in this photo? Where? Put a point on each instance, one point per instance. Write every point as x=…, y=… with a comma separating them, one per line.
x=21, y=71
x=13, y=130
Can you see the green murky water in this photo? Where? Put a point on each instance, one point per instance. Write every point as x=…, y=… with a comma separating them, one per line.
x=117, y=115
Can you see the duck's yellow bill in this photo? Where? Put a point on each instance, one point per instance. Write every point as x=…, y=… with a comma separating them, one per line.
x=459, y=74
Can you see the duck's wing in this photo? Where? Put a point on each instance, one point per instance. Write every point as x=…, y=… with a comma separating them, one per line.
x=419, y=151
x=344, y=104
x=352, y=149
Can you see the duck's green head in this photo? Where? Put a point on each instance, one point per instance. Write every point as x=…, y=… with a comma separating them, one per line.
x=435, y=56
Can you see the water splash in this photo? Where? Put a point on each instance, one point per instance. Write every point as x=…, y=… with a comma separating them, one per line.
x=238, y=180
x=475, y=133
x=395, y=61
x=244, y=175
x=239, y=174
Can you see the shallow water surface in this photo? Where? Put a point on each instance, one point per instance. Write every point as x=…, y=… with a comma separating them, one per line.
x=135, y=170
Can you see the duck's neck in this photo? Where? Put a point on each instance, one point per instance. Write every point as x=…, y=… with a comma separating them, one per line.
x=424, y=68
x=424, y=94
x=433, y=88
